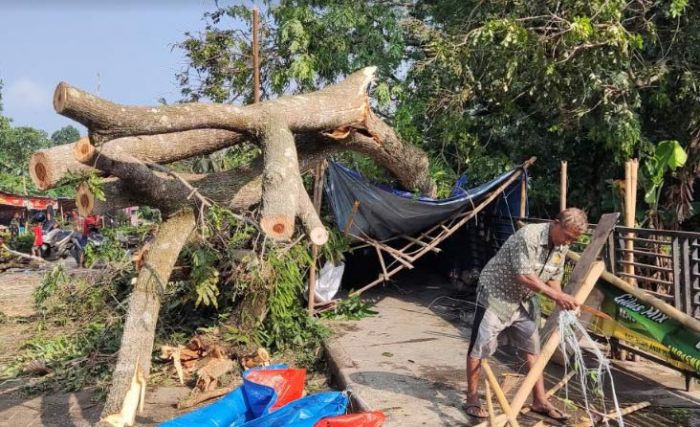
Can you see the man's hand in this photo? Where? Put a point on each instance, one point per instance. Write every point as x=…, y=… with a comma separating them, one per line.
x=566, y=301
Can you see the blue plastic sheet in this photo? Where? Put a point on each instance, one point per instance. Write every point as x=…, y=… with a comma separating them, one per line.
x=386, y=212
x=248, y=402
x=304, y=412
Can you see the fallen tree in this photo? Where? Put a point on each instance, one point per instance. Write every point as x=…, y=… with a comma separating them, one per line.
x=127, y=145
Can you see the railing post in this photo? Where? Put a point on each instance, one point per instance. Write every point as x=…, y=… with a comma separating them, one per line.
x=687, y=288
x=612, y=268
x=677, y=283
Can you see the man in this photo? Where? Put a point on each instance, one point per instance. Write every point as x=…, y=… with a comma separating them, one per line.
x=530, y=262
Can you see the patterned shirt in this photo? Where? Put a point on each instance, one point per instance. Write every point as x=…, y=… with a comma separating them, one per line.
x=525, y=252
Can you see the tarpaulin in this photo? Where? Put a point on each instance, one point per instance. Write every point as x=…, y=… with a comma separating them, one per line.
x=386, y=212
x=263, y=390
x=304, y=412
x=364, y=419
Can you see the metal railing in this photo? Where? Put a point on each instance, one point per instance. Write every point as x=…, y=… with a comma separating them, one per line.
x=664, y=263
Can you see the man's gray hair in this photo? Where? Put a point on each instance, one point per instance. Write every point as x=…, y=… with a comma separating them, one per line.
x=573, y=219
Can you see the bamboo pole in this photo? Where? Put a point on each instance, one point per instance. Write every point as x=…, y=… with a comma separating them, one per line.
x=667, y=309
x=256, y=56
x=318, y=196
x=563, y=182
x=491, y=378
x=630, y=189
x=523, y=195
x=489, y=403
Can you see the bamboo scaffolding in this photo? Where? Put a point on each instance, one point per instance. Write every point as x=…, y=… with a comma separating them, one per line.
x=430, y=239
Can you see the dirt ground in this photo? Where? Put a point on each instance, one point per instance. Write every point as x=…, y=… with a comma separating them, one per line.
x=56, y=409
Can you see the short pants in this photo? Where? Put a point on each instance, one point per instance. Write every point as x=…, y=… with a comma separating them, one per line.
x=488, y=331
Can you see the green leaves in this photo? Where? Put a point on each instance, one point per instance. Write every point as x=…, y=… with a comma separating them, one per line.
x=666, y=156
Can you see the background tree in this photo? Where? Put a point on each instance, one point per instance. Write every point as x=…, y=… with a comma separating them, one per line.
x=483, y=85
x=65, y=135
x=16, y=145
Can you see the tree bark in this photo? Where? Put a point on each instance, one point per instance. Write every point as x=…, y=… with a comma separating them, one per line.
x=47, y=167
x=241, y=188
x=309, y=218
x=338, y=105
x=144, y=305
x=280, y=180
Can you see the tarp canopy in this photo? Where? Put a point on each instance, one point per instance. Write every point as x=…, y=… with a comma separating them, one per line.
x=385, y=212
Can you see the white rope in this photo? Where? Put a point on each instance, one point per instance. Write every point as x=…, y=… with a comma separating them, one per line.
x=569, y=327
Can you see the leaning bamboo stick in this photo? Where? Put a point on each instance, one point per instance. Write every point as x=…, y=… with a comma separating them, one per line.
x=489, y=403
x=491, y=378
x=667, y=309
x=563, y=182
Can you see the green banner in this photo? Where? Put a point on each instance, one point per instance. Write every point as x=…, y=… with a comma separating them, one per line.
x=648, y=328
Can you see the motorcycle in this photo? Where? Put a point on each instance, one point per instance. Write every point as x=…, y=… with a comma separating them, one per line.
x=59, y=244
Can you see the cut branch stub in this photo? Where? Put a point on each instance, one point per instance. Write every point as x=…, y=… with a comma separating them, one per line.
x=280, y=178
x=309, y=218
x=47, y=167
x=84, y=200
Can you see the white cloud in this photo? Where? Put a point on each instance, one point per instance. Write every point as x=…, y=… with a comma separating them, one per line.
x=26, y=94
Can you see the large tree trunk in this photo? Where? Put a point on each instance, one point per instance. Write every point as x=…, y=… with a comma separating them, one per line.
x=47, y=167
x=338, y=105
x=280, y=178
x=295, y=132
x=241, y=188
x=144, y=305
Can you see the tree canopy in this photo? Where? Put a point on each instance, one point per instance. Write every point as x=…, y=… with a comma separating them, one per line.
x=483, y=85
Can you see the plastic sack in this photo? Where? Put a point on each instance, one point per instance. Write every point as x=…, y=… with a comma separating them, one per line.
x=269, y=389
x=364, y=419
x=304, y=412
x=328, y=282
x=263, y=390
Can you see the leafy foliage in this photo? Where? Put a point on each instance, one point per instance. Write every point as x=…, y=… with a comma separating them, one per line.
x=65, y=135
x=482, y=85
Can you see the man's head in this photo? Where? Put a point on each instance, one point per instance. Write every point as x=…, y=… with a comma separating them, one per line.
x=568, y=226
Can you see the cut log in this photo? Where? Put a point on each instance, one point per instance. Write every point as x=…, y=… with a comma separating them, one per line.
x=47, y=167
x=280, y=180
x=309, y=218
x=144, y=305
x=84, y=200
x=337, y=105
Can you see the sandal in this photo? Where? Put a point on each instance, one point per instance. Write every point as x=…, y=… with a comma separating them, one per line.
x=476, y=410
x=551, y=412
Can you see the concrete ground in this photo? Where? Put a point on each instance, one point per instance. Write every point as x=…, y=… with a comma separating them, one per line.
x=409, y=359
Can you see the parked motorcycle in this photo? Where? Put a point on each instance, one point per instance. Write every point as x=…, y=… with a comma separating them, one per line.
x=60, y=244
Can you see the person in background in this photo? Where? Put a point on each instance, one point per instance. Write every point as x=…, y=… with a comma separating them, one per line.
x=38, y=236
x=14, y=226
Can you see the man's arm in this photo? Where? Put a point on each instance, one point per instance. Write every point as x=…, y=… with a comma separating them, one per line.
x=532, y=282
x=556, y=284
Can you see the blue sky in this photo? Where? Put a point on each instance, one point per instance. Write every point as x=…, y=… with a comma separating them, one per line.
x=120, y=50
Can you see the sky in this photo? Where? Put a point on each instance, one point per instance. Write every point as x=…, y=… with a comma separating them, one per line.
x=119, y=50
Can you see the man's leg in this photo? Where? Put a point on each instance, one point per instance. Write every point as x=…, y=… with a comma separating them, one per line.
x=473, y=374
x=540, y=403
x=538, y=394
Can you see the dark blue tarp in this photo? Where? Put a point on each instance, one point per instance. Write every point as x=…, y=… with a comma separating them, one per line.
x=251, y=405
x=386, y=212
